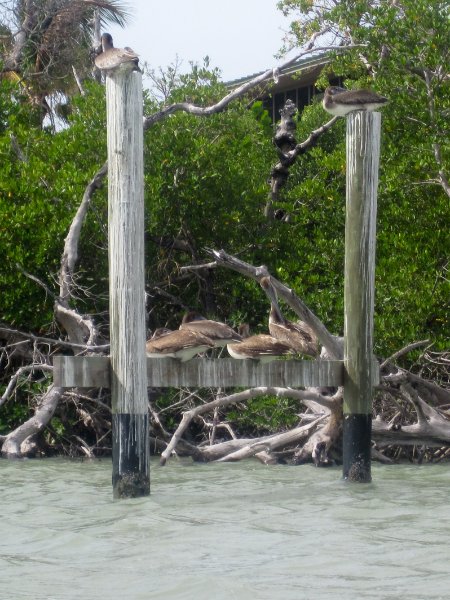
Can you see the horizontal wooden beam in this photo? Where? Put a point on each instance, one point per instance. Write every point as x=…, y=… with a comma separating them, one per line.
x=81, y=371
x=94, y=371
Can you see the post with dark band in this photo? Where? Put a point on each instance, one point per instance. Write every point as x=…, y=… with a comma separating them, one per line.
x=130, y=425
x=363, y=149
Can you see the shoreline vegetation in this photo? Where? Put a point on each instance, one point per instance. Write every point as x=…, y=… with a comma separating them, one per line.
x=219, y=174
x=411, y=418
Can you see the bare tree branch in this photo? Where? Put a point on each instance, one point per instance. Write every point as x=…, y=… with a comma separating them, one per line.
x=288, y=151
x=441, y=395
x=44, y=412
x=17, y=375
x=402, y=351
x=443, y=179
x=223, y=402
x=237, y=92
x=333, y=344
x=70, y=253
x=50, y=341
x=48, y=291
x=78, y=81
x=80, y=329
x=267, y=443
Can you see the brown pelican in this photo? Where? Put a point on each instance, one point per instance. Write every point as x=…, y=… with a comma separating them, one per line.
x=220, y=333
x=111, y=58
x=339, y=101
x=262, y=347
x=182, y=345
x=298, y=336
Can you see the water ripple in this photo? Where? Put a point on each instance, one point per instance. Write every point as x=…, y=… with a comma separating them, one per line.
x=241, y=531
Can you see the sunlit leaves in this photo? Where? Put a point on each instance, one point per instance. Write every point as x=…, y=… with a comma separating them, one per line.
x=406, y=42
x=42, y=180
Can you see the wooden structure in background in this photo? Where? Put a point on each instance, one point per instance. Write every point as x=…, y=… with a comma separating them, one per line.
x=128, y=372
x=295, y=82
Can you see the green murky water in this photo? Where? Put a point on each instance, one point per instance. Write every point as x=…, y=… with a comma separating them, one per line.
x=223, y=531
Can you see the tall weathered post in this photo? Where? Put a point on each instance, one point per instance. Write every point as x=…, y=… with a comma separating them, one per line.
x=363, y=149
x=131, y=465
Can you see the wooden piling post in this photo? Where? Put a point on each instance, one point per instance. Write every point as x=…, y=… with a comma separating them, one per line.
x=363, y=149
x=130, y=446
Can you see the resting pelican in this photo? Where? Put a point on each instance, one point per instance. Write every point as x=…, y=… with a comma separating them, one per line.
x=111, y=58
x=299, y=335
x=262, y=347
x=182, y=345
x=220, y=333
x=339, y=101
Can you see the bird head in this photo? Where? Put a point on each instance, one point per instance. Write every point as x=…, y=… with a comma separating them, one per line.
x=107, y=42
x=333, y=90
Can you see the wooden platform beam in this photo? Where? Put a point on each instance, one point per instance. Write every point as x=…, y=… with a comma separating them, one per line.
x=95, y=371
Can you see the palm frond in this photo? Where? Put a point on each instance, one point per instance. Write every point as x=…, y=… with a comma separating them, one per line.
x=113, y=12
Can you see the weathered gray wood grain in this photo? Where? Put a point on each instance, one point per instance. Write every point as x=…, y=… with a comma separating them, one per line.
x=81, y=371
x=363, y=150
x=94, y=371
x=126, y=242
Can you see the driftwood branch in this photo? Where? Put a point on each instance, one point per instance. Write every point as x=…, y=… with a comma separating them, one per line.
x=223, y=402
x=13, y=382
x=432, y=428
x=441, y=395
x=403, y=351
x=14, y=334
x=12, y=445
x=252, y=447
x=317, y=446
x=80, y=329
x=331, y=343
x=70, y=252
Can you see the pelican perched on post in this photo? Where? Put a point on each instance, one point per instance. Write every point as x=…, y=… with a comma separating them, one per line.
x=262, y=347
x=339, y=102
x=299, y=335
x=182, y=345
x=220, y=333
x=112, y=58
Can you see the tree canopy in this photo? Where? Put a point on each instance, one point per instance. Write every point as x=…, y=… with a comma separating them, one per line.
x=403, y=54
x=206, y=184
x=206, y=180
x=44, y=42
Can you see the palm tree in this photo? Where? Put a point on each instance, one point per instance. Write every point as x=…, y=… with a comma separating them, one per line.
x=47, y=39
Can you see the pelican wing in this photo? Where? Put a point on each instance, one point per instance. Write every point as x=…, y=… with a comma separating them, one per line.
x=257, y=346
x=114, y=57
x=212, y=329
